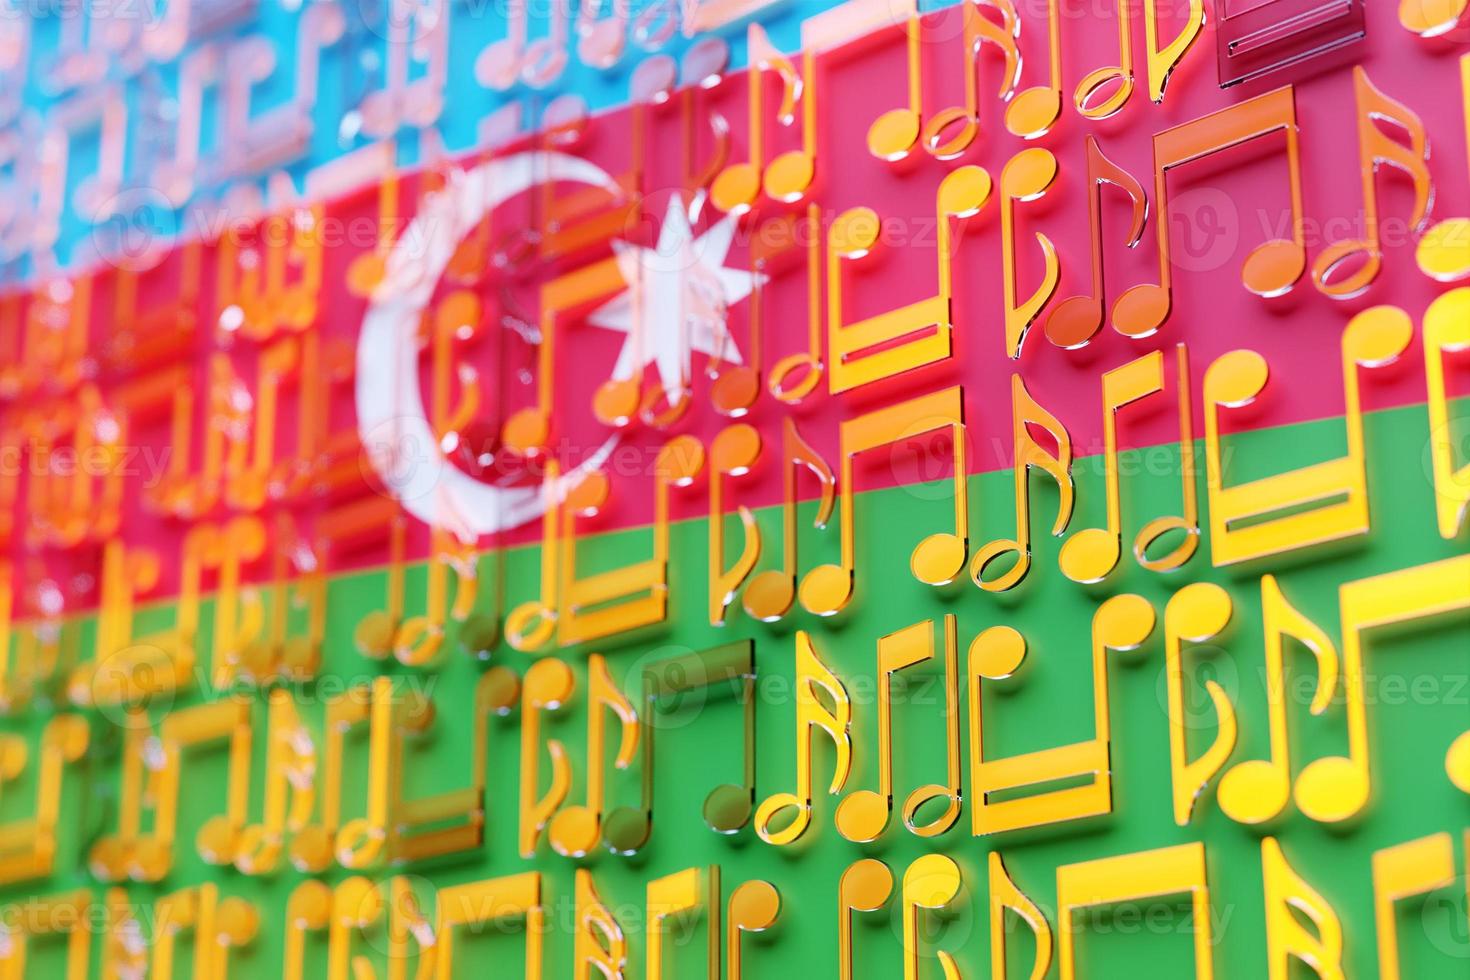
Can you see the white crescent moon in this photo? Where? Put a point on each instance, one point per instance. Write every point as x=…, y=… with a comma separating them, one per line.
x=395, y=433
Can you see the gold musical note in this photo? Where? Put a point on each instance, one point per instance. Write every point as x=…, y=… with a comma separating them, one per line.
x=1075, y=320
x=491, y=901
x=754, y=907
x=599, y=943
x=1291, y=903
x=732, y=453
x=39, y=918
x=931, y=882
x=1026, y=413
x=1091, y=554
x=770, y=594
x=215, y=926
x=1122, y=623
x=678, y=896
x=812, y=716
x=1377, y=149
x=1163, y=60
x=1446, y=332
x=1272, y=268
x=531, y=625
x=895, y=133
x=1443, y=253
x=1155, y=874
x=1027, y=177
x=788, y=176
x=637, y=595
x=547, y=686
x=1036, y=109
x=938, y=559
x=908, y=337
x=314, y=846
x=575, y=831
x=28, y=845
x=864, y=887
x=1195, y=614
x=1256, y=791
x=1372, y=339
x=1004, y=895
x=864, y=814
x=308, y=910
x=728, y=807
x=290, y=788
x=1402, y=871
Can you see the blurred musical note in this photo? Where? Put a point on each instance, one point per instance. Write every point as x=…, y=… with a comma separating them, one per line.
x=1446, y=332
x=1409, y=870
x=576, y=830
x=547, y=686
x=732, y=453
x=932, y=882
x=29, y=844
x=771, y=593
x=1027, y=177
x=599, y=942
x=679, y=896
x=1294, y=909
x=1443, y=253
x=492, y=902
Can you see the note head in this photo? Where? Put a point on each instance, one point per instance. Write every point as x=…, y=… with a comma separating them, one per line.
x=998, y=654
x=769, y=596
x=1443, y=252
x=728, y=809
x=736, y=188
x=1430, y=18
x=530, y=626
x=1074, y=321
x=1273, y=268
x=574, y=832
x=1032, y=113
x=794, y=378
x=1029, y=174
x=992, y=552
x=374, y=635
x=935, y=141
x=1089, y=555
x=108, y=859
x=527, y=431
x=826, y=589
x=479, y=635
x=1345, y=270
x=920, y=799
x=1378, y=336
x=1332, y=790
x=217, y=841
x=789, y=176
x=626, y=830
x=894, y=134
x=771, y=824
x=863, y=815
x=866, y=885
x=735, y=390
x=1142, y=310
x=1155, y=531
x=939, y=559
x=964, y=191
x=311, y=850
x=148, y=860
x=755, y=905
x=615, y=402
x=1254, y=792
x=1457, y=763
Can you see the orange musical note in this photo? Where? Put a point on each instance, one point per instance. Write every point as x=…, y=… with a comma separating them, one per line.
x=1271, y=269
x=1377, y=149
x=1036, y=109
x=865, y=886
x=938, y=559
x=770, y=594
x=1075, y=320
x=907, y=337
x=732, y=453
x=1026, y=413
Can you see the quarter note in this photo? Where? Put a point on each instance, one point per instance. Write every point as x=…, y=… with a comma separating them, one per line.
x=1443, y=253
x=1197, y=613
x=938, y=559
x=812, y=716
x=1363, y=258
x=1446, y=332
x=754, y=907
x=864, y=814
x=932, y=882
x=1028, y=453
x=1091, y=554
x=547, y=686
x=729, y=806
x=1271, y=269
x=864, y=887
x=770, y=594
x=1269, y=515
x=732, y=453
x=1027, y=177
x=575, y=831
x=907, y=337
x=1075, y=320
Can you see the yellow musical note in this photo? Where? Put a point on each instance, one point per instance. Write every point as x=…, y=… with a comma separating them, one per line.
x=547, y=686
x=308, y=910
x=64, y=915
x=679, y=896
x=599, y=942
x=864, y=887
x=754, y=907
x=1163, y=60
x=1446, y=332
x=1153, y=874
x=1430, y=18
x=864, y=814
x=732, y=453
x=1026, y=413
x=1121, y=623
x=1196, y=613
x=931, y=882
x=907, y=337
x=812, y=716
x=1027, y=177
x=938, y=559
x=1402, y=871
x=215, y=925
x=290, y=788
x=1372, y=339
x=771, y=593
x=1364, y=257
x=315, y=845
x=1091, y=554
x=492, y=901
x=28, y=845
x=1290, y=904
x=1004, y=895
x=575, y=831
x=1443, y=253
